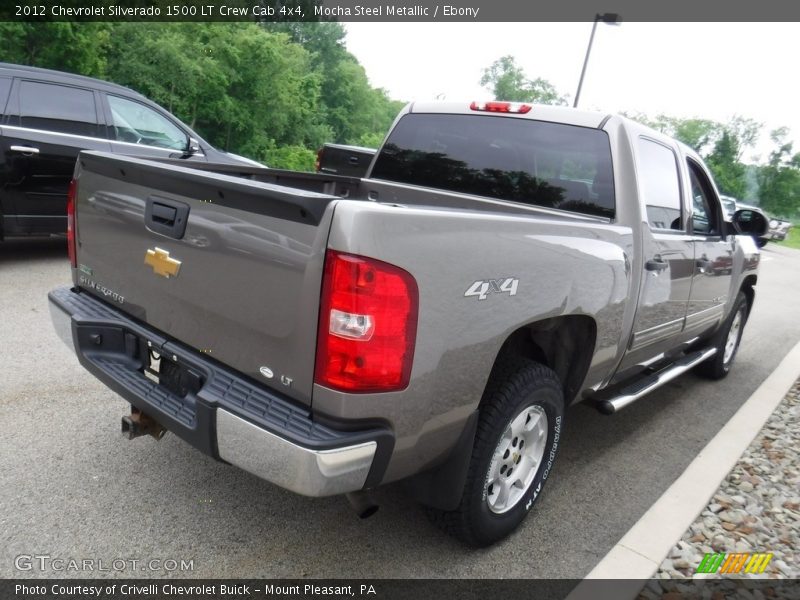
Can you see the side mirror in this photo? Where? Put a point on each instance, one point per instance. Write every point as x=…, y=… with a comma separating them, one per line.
x=750, y=222
x=192, y=147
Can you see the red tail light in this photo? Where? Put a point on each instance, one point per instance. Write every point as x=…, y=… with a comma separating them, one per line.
x=502, y=107
x=367, y=325
x=72, y=197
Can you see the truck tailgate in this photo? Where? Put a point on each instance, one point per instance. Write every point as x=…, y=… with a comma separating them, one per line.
x=227, y=266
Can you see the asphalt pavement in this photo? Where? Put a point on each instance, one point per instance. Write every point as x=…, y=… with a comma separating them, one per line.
x=72, y=488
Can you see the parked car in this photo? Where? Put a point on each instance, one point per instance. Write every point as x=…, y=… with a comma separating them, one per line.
x=728, y=205
x=47, y=117
x=430, y=322
x=777, y=228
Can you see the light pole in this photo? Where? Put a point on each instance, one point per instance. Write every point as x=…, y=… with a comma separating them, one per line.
x=609, y=19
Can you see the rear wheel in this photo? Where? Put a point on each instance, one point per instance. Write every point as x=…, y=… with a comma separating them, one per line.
x=515, y=447
x=726, y=341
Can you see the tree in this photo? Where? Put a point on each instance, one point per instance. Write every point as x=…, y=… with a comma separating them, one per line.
x=245, y=89
x=779, y=180
x=747, y=131
x=698, y=134
x=720, y=144
x=507, y=81
x=723, y=161
x=66, y=46
x=354, y=109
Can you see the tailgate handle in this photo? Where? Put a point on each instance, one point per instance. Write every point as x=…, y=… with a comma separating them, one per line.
x=167, y=217
x=164, y=214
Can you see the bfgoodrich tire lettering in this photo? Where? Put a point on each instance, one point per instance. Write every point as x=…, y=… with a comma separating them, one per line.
x=521, y=392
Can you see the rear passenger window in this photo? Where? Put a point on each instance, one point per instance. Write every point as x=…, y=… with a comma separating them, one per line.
x=660, y=185
x=552, y=165
x=57, y=108
x=5, y=85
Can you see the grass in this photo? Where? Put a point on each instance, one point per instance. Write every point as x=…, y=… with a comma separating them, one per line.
x=793, y=239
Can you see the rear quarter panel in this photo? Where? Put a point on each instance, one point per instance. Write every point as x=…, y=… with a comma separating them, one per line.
x=565, y=266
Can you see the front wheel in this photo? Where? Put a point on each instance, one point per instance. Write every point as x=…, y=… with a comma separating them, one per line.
x=726, y=341
x=515, y=447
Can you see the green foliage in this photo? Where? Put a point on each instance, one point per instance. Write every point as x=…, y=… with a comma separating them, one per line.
x=371, y=140
x=724, y=163
x=507, y=81
x=779, y=180
x=294, y=158
x=236, y=83
x=698, y=134
x=72, y=47
x=720, y=144
x=275, y=92
x=793, y=238
x=351, y=106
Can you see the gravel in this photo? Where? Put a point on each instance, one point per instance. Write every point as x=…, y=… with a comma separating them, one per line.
x=757, y=507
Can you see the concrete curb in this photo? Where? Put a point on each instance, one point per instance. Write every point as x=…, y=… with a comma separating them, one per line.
x=641, y=550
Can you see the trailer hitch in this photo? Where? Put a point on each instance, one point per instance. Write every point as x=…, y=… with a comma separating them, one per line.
x=138, y=423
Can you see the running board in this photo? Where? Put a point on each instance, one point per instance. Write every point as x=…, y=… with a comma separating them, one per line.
x=633, y=392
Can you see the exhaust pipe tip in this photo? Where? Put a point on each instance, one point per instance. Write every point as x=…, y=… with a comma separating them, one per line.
x=362, y=503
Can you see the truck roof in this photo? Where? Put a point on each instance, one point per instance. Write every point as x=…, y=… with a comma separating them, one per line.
x=539, y=112
x=554, y=114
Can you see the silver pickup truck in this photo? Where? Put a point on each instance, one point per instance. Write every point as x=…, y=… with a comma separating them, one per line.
x=429, y=322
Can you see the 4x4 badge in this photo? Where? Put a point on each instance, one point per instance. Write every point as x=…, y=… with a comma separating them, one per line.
x=483, y=288
x=162, y=263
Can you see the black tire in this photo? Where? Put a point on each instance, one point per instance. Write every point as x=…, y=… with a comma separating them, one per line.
x=761, y=242
x=718, y=366
x=516, y=386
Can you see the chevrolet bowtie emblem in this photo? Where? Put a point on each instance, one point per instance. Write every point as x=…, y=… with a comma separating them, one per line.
x=161, y=262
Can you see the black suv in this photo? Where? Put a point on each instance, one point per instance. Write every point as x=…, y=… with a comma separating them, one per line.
x=48, y=117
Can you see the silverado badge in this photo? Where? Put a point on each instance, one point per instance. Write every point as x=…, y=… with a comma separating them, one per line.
x=162, y=263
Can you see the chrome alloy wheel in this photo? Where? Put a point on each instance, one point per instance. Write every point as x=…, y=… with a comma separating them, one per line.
x=516, y=459
x=733, y=337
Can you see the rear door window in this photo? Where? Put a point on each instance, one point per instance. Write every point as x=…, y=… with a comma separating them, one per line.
x=58, y=108
x=551, y=165
x=660, y=185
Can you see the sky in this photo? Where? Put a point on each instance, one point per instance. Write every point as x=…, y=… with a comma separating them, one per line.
x=707, y=70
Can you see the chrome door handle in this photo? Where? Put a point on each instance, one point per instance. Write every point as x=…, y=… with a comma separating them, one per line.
x=703, y=265
x=28, y=150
